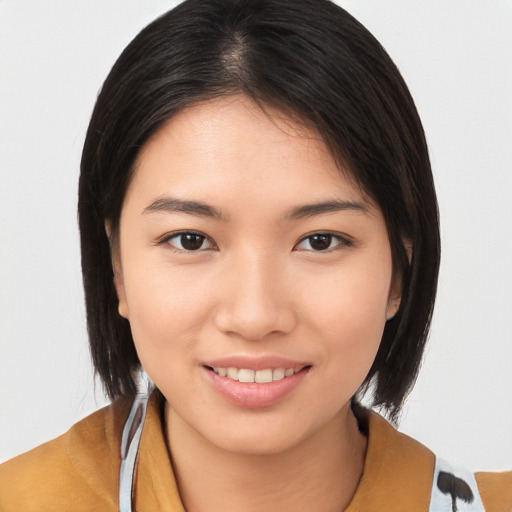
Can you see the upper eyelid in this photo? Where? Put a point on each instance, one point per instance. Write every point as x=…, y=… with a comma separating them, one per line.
x=172, y=234
x=336, y=234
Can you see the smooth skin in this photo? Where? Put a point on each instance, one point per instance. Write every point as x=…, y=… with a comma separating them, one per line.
x=221, y=254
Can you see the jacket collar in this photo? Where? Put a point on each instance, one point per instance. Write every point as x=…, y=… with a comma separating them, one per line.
x=398, y=471
x=155, y=484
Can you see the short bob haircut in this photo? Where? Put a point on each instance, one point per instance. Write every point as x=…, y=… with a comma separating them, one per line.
x=317, y=64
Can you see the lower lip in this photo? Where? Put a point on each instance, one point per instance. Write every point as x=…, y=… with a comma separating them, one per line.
x=252, y=394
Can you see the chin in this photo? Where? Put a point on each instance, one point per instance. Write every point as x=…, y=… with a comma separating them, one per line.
x=256, y=443
x=257, y=434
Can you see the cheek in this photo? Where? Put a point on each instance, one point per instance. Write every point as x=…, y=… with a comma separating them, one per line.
x=350, y=310
x=166, y=306
x=358, y=295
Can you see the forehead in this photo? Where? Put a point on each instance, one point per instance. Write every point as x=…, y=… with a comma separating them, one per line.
x=232, y=147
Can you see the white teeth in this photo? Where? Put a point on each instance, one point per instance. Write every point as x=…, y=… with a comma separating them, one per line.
x=232, y=373
x=278, y=374
x=263, y=376
x=246, y=375
x=259, y=376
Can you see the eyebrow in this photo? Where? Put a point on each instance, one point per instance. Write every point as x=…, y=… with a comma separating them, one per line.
x=169, y=204
x=310, y=210
x=199, y=209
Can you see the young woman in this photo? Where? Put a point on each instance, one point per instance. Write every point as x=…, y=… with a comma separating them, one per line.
x=260, y=235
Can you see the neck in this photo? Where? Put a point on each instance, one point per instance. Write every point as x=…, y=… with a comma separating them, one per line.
x=319, y=473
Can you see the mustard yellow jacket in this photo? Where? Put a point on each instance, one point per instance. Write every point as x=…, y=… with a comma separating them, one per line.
x=79, y=471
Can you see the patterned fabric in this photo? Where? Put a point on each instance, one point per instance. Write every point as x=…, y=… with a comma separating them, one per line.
x=454, y=490
x=130, y=440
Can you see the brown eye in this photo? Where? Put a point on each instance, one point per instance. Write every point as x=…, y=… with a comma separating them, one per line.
x=191, y=241
x=188, y=241
x=322, y=242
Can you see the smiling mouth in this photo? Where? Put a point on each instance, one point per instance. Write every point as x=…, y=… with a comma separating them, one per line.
x=258, y=376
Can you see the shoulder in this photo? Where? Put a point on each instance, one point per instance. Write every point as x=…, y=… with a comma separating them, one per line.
x=496, y=490
x=399, y=467
x=76, y=471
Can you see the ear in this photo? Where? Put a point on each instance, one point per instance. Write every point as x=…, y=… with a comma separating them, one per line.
x=395, y=297
x=115, y=258
x=395, y=292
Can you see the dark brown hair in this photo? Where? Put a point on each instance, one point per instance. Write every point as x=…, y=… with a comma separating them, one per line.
x=310, y=59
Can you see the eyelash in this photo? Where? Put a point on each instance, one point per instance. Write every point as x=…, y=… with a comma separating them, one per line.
x=167, y=240
x=342, y=241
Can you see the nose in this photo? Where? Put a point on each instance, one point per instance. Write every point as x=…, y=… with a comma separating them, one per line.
x=255, y=299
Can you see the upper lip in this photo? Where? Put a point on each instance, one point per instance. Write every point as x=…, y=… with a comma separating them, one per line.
x=255, y=362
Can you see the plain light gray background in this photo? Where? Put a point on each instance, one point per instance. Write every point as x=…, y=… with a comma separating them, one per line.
x=456, y=56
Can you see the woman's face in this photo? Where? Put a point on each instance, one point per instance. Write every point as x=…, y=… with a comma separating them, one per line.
x=257, y=278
